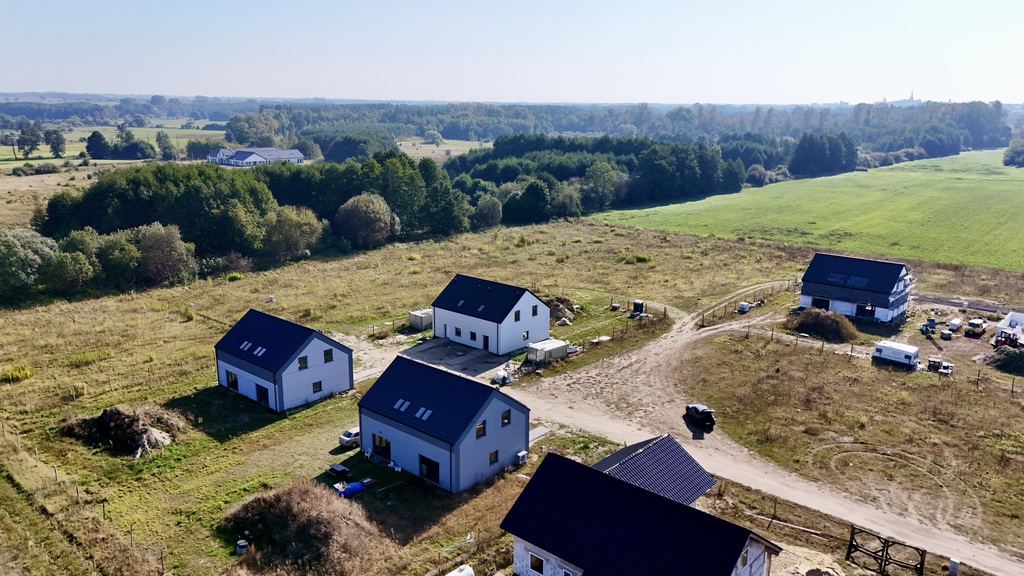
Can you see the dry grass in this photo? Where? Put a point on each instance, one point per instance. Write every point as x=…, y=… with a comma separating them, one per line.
x=945, y=449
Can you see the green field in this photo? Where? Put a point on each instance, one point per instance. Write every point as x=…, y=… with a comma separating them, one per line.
x=964, y=209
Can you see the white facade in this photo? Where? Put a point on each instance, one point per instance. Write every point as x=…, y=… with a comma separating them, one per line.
x=293, y=386
x=755, y=560
x=528, y=322
x=850, y=308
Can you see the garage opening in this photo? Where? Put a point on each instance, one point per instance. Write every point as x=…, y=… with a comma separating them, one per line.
x=822, y=303
x=430, y=470
x=865, y=311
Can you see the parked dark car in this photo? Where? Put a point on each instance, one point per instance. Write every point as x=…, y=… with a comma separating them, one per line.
x=701, y=415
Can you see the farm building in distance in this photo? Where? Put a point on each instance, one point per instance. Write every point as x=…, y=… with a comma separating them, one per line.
x=490, y=315
x=281, y=364
x=857, y=287
x=253, y=156
x=448, y=429
x=574, y=519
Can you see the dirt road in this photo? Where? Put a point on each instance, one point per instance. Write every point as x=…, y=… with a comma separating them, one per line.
x=637, y=395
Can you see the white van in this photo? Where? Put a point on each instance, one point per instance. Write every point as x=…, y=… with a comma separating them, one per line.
x=955, y=324
x=896, y=352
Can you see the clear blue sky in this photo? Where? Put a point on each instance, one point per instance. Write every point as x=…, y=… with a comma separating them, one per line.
x=742, y=51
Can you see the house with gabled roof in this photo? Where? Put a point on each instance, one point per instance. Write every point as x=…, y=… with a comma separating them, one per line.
x=489, y=315
x=574, y=520
x=281, y=364
x=254, y=156
x=857, y=287
x=660, y=465
x=446, y=428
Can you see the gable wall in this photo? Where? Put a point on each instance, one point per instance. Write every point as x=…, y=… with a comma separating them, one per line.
x=336, y=376
x=553, y=565
x=472, y=462
x=757, y=560
x=510, y=332
x=249, y=375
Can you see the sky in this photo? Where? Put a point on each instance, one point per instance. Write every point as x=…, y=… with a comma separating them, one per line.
x=558, y=51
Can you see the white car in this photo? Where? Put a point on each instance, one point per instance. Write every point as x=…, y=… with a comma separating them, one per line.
x=350, y=437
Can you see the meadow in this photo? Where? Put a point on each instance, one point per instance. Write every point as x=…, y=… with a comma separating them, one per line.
x=958, y=210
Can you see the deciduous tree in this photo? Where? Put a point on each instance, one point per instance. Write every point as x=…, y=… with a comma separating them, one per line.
x=365, y=221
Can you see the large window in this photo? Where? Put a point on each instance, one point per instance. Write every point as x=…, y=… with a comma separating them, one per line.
x=481, y=429
x=536, y=564
x=506, y=417
x=232, y=380
x=303, y=362
x=328, y=355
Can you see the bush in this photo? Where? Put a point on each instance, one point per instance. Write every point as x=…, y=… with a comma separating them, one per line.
x=16, y=373
x=1010, y=362
x=831, y=326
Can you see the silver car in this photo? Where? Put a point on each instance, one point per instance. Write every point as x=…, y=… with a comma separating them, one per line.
x=350, y=437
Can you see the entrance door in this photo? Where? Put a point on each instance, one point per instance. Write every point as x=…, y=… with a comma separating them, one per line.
x=381, y=447
x=487, y=342
x=430, y=470
x=262, y=395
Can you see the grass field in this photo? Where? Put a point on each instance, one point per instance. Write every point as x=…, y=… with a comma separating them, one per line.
x=415, y=148
x=76, y=140
x=964, y=209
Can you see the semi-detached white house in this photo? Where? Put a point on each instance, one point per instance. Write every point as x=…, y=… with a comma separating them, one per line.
x=281, y=364
x=491, y=316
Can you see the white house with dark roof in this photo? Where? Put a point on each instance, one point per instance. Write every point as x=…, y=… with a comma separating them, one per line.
x=857, y=287
x=448, y=429
x=574, y=520
x=660, y=465
x=281, y=364
x=492, y=316
x=254, y=156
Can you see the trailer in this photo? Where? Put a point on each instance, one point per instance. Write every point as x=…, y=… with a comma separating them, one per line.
x=896, y=352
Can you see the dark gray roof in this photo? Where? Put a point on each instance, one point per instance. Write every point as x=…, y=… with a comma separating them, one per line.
x=662, y=466
x=609, y=527
x=221, y=153
x=268, y=341
x=849, y=272
x=478, y=298
x=452, y=400
x=242, y=154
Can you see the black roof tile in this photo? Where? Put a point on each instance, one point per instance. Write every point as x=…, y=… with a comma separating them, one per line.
x=877, y=276
x=268, y=341
x=662, y=466
x=478, y=298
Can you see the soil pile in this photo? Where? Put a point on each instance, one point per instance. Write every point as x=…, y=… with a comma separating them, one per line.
x=127, y=430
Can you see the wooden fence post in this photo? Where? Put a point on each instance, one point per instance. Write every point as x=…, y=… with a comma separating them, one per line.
x=55, y=477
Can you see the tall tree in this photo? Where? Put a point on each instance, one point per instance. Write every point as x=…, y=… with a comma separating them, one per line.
x=446, y=210
x=30, y=139
x=365, y=221
x=55, y=140
x=97, y=146
x=290, y=233
x=166, y=147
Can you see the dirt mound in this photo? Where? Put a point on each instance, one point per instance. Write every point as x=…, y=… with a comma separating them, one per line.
x=561, y=306
x=305, y=528
x=127, y=430
x=1004, y=359
x=831, y=326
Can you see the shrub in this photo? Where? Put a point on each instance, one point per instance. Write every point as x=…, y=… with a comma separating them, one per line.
x=16, y=373
x=1011, y=362
x=831, y=326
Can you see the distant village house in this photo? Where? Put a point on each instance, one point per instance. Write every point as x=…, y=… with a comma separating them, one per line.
x=253, y=156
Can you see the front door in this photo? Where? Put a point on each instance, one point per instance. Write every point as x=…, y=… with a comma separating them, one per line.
x=430, y=470
x=262, y=395
x=487, y=342
x=381, y=447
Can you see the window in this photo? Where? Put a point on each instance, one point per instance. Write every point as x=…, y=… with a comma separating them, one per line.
x=232, y=380
x=481, y=429
x=536, y=564
x=458, y=331
x=526, y=335
x=303, y=362
x=328, y=355
x=493, y=457
x=472, y=336
x=534, y=310
x=506, y=417
x=517, y=316
x=318, y=386
x=743, y=557
x=566, y=573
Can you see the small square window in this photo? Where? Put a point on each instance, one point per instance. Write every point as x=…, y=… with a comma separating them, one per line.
x=517, y=316
x=303, y=362
x=472, y=336
x=536, y=564
x=506, y=417
x=481, y=429
x=493, y=457
x=534, y=310
x=232, y=380
x=318, y=386
x=526, y=335
x=328, y=355
x=458, y=331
